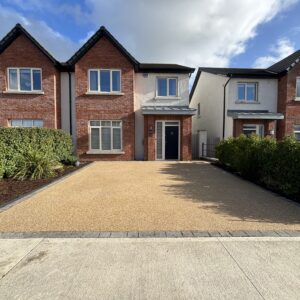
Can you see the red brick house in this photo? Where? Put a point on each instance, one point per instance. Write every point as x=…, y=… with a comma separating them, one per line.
x=288, y=71
x=29, y=82
x=115, y=107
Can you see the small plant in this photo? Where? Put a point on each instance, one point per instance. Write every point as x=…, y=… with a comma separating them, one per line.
x=36, y=165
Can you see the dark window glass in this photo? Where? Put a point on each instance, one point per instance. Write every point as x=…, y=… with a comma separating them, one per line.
x=105, y=80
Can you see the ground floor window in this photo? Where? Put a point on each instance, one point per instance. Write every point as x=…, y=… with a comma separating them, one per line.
x=297, y=132
x=26, y=123
x=249, y=129
x=105, y=135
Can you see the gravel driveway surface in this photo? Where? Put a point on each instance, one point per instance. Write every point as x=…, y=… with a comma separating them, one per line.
x=151, y=196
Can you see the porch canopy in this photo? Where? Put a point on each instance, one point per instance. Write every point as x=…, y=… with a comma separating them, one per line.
x=254, y=115
x=168, y=110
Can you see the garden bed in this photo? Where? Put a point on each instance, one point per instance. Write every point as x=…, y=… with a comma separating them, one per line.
x=11, y=189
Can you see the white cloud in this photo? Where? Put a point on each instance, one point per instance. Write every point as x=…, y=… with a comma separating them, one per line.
x=58, y=45
x=194, y=32
x=282, y=49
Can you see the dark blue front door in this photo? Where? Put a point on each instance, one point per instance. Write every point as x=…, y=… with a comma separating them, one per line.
x=171, y=142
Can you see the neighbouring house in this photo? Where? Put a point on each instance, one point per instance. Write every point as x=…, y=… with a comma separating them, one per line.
x=115, y=107
x=234, y=101
x=29, y=82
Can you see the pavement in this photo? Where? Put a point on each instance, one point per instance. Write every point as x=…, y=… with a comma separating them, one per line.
x=151, y=196
x=150, y=268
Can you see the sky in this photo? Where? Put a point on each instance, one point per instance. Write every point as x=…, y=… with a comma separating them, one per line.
x=211, y=33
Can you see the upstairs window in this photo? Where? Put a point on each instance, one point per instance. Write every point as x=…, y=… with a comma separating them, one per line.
x=298, y=88
x=166, y=87
x=104, y=81
x=247, y=92
x=24, y=79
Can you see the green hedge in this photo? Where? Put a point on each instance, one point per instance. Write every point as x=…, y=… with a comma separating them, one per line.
x=16, y=143
x=275, y=164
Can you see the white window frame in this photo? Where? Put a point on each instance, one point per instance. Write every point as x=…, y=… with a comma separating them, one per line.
x=18, y=80
x=245, y=100
x=257, y=126
x=297, y=98
x=168, y=91
x=98, y=91
x=100, y=151
x=22, y=120
x=164, y=125
x=296, y=130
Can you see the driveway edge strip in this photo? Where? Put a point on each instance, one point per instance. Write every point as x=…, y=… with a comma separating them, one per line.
x=147, y=234
x=25, y=196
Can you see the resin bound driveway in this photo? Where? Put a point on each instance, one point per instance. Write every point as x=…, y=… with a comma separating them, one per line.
x=152, y=196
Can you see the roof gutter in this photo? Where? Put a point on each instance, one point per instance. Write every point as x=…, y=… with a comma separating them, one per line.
x=224, y=105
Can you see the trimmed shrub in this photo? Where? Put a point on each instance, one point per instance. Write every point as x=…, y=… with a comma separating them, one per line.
x=275, y=164
x=2, y=161
x=17, y=143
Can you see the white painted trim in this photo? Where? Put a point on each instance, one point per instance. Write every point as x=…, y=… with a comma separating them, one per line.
x=238, y=101
x=168, y=95
x=104, y=93
x=297, y=98
x=105, y=152
x=99, y=92
x=23, y=92
x=18, y=90
x=257, y=128
x=120, y=151
x=164, y=125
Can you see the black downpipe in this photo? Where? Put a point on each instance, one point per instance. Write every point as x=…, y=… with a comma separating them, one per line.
x=224, y=106
x=70, y=103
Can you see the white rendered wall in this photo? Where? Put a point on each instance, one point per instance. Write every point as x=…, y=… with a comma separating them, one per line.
x=145, y=94
x=209, y=92
x=266, y=96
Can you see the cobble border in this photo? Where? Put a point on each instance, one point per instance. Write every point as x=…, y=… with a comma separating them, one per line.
x=148, y=234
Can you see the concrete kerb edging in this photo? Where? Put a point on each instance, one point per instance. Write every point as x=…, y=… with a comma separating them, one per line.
x=149, y=234
x=23, y=197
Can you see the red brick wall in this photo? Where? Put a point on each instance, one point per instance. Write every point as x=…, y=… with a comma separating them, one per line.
x=22, y=53
x=286, y=102
x=104, y=107
x=269, y=125
x=185, y=135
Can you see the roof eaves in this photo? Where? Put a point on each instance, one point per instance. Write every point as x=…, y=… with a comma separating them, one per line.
x=195, y=84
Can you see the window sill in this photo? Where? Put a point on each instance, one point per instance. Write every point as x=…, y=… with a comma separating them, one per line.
x=297, y=99
x=105, y=152
x=106, y=94
x=24, y=92
x=247, y=102
x=166, y=98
